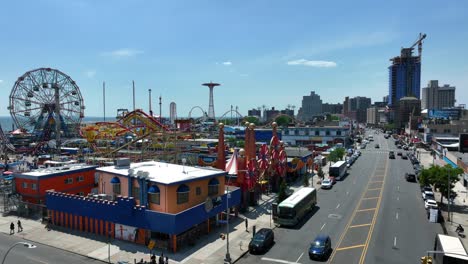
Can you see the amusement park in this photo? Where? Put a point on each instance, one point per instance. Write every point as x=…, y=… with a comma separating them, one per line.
x=53, y=157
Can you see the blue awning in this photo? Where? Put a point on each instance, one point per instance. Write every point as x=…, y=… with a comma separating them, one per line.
x=450, y=162
x=115, y=180
x=153, y=189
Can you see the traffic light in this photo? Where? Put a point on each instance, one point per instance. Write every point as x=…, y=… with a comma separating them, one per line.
x=222, y=236
x=426, y=260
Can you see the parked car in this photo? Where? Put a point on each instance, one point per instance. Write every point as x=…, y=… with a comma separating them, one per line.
x=320, y=248
x=428, y=195
x=403, y=156
x=327, y=184
x=399, y=153
x=429, y=203
x=391, y=155
x=377, y=146
x=405, y=147
x=410, y=177
x=262, y=240
x=426, y=188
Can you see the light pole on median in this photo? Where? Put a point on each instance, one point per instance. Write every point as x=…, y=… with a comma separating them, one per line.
x=228, y=256
x=27, y=245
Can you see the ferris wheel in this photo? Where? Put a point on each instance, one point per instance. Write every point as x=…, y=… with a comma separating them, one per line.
x=43, y=98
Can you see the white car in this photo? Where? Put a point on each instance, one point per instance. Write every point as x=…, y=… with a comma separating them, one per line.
x=429, y=203
x=327, y=184
x=428, y=195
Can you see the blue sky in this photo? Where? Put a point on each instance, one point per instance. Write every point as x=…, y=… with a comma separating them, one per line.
x=262, y=52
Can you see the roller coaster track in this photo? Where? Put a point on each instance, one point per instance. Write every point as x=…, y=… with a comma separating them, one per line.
x=5, y=141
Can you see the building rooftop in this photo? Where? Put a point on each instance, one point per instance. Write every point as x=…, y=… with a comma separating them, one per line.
x=164, y=173
x=56, y=170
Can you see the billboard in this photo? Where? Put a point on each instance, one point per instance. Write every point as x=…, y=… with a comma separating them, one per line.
x=463, y=145
x=453, y=114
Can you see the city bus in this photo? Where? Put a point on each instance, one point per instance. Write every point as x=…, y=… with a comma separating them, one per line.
x=337, y=170
x=449, y=249
x=290, y=211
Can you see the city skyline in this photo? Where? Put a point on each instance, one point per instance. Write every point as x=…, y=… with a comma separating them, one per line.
x=261, y=53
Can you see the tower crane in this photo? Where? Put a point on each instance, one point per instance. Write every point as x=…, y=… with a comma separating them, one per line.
x=419, y=43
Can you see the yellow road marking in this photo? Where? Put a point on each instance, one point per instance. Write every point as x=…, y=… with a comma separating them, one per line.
x=376, y=181
x=363, y=210
x=353, y=226
x=374, y=189
x=370, y=198
x=350, y=247
x=374, y=219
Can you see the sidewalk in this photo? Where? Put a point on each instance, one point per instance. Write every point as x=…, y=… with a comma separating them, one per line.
x=459, y=208
x=208, y=249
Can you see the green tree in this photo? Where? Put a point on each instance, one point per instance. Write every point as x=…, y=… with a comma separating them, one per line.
x=282, y=195
x=320, y=173
x=443, y=179
x=336, y=155
x=305, y=180
x=283, y=121
x=252, y=119
x=340, y=152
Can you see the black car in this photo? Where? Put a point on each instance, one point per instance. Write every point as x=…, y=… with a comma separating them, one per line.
x=377, y=146
x=391, y=155
x=403, y=156
x=410, y=177
x=320, y=248
x=262, y=241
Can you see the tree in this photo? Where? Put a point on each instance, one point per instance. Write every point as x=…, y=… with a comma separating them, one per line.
x=252, y=119
x=443, y=179
x=334, y=156
x=340, y=152
x=282, y=195
x=320, y=173
x=305, y=180
x=283, y=120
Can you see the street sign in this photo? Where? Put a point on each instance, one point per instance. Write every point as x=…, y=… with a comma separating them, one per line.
x=151, y=244
x=222, y=221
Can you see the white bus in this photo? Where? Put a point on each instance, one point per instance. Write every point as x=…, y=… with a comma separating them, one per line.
x=290, y=211
x=449, y=249
x=337, y=170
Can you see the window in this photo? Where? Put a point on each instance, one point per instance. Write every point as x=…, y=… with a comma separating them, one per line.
x=183, y=194
x=338, y=132
x=213, y=187
x=154, y=195
x=116, y=188
x=317, y=132
x=198, y=191
x=327, y=132
x=68, y=180
x=25, y=185
x=79, y=178
x=136, y=192
x=34, y=186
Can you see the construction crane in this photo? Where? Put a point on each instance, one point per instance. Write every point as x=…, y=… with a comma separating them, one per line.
x=419, y=43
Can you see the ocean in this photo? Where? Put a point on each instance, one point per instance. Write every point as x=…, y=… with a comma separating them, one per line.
x=7, y=122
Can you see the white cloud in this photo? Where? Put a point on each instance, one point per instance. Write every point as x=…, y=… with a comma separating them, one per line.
x=90, y=74
x=1, y=81
x=227, y=63
x=122, y=53
x=311, y=63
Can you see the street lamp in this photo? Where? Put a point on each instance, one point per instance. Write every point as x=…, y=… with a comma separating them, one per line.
x=27, y=245
x=228, y=256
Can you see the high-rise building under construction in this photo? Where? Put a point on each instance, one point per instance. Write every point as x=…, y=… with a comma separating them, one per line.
x=404, y=77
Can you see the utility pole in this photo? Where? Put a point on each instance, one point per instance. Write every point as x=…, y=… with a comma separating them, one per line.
x=160, y=111
x=104, y=99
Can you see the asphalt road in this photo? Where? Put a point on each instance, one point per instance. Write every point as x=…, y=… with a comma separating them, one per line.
x=41, y=254
x=372, y=216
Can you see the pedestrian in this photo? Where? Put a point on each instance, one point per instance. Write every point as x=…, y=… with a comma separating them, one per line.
x=153, y=259
x=246, y=225
x=12, y=228
x=161, y=259
x=167, y=260
x=20, y=227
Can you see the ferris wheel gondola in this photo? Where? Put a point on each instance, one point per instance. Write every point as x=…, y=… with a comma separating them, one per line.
x=43, y=98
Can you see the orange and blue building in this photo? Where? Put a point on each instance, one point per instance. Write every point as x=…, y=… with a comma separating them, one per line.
x=168, y=205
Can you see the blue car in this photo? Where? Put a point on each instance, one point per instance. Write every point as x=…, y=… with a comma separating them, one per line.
x=320, y=248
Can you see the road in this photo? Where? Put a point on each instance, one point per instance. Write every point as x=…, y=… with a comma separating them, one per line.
x=372, y=216
x=42, y=254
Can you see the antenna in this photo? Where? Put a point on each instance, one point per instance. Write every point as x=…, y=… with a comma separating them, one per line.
x=184, y=160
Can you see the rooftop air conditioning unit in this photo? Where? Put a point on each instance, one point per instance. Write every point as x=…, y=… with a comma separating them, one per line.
x=122, y=162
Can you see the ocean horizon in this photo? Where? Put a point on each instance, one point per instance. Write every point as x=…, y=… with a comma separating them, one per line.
x=7, y=123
